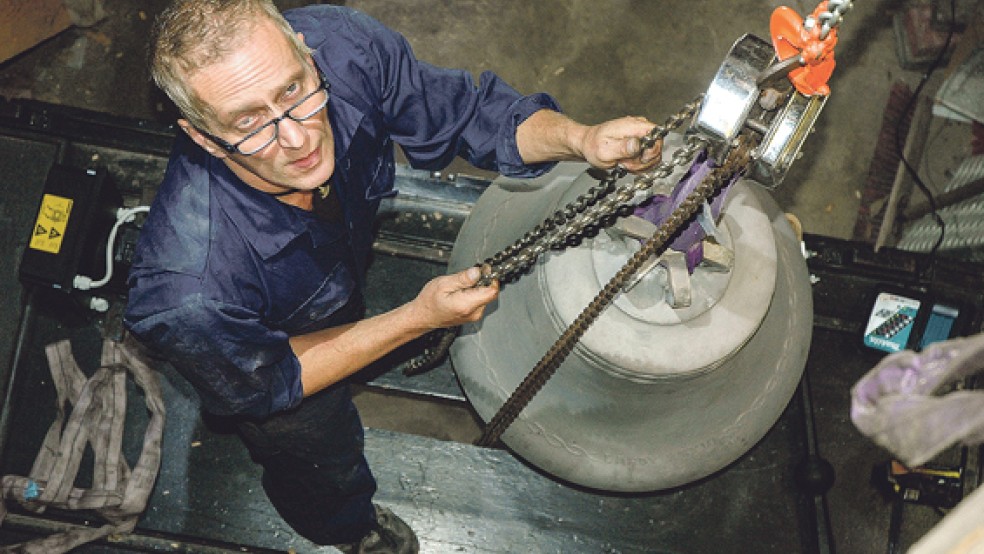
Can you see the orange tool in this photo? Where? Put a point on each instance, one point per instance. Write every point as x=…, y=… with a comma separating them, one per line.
x=799, y=42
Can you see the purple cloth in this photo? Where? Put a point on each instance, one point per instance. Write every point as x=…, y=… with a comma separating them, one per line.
x=903, y=403
x=658, y=209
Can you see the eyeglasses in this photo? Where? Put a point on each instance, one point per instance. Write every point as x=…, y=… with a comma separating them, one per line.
x=260, y=138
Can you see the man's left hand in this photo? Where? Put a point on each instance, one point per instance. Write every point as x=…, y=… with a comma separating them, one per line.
x=618, y=142
x=549, y=136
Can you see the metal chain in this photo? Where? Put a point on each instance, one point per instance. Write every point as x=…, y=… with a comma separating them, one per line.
x=586, y=215
x=830, y=18
x=584, y=220
x=737, y=159
x=592, y=210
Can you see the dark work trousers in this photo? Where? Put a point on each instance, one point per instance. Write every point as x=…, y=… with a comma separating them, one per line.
x=314, y=470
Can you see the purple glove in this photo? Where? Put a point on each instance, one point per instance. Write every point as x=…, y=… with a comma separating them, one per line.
x=902, y=403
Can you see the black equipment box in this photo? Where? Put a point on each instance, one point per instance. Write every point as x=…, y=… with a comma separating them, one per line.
x=75, y=215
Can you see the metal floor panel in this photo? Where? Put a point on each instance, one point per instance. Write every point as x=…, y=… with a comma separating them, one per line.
x=463, y=498
x=457, y=497
x=23, y=167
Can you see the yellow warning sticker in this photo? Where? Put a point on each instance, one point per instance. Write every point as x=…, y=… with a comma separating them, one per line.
x=49, y=229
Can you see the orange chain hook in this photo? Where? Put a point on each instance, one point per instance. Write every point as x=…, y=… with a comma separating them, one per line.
x=791, y=37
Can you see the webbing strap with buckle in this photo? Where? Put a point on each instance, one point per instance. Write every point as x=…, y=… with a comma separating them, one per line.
x=117, y=494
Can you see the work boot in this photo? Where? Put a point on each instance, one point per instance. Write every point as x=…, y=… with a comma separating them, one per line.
x=391, y=536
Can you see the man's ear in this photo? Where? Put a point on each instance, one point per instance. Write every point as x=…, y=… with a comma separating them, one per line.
x=201, y=140
x=310, y=59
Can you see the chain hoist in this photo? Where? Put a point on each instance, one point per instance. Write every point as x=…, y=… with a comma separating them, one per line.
x=753, y=119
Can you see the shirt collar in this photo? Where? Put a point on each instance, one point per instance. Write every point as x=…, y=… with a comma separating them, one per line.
x=345, y=119
x=263, y=220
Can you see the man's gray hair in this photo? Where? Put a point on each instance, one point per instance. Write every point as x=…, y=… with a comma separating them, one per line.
x=192, y=34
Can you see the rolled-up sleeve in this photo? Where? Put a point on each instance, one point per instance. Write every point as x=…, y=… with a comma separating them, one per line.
x=507, y=151
x=437, y=113
x=239, y=365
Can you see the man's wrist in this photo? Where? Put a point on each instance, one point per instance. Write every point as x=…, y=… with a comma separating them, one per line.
x=576, y=135
x=549, y=136
x=412, y=319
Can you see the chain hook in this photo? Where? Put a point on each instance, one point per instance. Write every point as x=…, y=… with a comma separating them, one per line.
x=808, y=44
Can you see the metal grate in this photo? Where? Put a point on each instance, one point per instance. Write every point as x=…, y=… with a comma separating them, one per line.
x=964, y=220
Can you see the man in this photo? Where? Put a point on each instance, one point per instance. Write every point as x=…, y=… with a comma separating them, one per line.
x=248, y=269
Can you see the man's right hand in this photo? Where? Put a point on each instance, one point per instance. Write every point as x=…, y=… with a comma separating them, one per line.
x=452, y=300
x=330, y=355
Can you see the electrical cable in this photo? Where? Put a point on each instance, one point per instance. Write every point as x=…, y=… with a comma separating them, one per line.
x=898, y=133
x=123, y=215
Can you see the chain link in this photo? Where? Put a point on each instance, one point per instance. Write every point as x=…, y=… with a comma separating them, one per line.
x=680, y=158
x=832, y=17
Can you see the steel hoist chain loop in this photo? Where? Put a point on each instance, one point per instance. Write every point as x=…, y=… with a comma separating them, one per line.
x=831, y=18
x=680, y=158
x=659, y=132
x=586, y=215
x=737, y=160
x=589, y=211
x=618, y=204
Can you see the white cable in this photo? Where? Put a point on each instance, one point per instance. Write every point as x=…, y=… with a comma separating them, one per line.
x=123, y=215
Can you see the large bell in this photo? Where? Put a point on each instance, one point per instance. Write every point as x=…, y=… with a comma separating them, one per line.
x=657, y=393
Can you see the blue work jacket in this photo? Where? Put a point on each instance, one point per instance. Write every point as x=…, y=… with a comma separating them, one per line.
x=224, y=274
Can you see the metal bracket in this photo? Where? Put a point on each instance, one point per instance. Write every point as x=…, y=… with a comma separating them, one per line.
x=732, y=94
x=784, y=138
x=748, y=91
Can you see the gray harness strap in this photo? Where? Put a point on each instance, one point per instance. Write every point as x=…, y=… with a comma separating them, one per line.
x=99, y=409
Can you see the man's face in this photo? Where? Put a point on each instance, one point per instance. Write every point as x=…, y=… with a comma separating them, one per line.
x=252, y=85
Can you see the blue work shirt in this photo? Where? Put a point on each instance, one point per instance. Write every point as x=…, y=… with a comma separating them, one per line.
x=224, y=274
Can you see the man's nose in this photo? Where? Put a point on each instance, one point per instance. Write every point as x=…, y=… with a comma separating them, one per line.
x=290, y=133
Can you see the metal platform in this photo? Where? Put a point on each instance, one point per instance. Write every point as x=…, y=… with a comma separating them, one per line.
x=458, y=497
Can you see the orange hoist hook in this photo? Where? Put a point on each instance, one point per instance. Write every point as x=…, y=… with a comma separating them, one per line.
x=809, y=42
